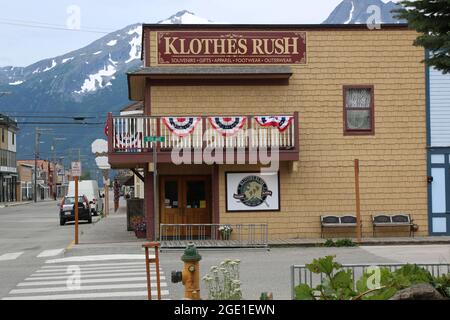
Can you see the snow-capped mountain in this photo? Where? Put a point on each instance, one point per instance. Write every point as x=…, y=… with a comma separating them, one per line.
x=185, y=17
x=89, y=81
x=92, y=68
x=80, y=72
x=356, y=12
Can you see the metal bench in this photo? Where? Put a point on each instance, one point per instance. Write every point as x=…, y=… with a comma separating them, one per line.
x=394, y=220
x=332, y=221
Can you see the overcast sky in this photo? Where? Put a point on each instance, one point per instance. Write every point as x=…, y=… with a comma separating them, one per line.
x=22, y=45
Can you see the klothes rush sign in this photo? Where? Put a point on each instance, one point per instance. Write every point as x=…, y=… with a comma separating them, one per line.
x=231, y=47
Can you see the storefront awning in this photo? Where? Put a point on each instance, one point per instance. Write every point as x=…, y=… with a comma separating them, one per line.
x=136, y=79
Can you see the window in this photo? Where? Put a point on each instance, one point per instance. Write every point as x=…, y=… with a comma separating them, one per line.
x=195, y=194
x=13, y=138
x=171, y=194
x=3, y=134
x=359, y=110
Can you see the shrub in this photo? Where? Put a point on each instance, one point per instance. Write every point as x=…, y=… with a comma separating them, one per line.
x=374, y=284
x=339, y=243
x=442, y=284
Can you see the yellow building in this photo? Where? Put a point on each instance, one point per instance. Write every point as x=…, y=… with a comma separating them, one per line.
x=315, y=96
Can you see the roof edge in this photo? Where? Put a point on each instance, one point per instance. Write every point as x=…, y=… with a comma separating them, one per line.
x=275, y=26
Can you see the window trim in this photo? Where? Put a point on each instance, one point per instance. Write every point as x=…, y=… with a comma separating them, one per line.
x=359, y=132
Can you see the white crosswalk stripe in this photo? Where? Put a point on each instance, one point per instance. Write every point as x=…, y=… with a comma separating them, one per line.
x=50, y=253
x=10, y=256
x=85, y=278
x=43, y=254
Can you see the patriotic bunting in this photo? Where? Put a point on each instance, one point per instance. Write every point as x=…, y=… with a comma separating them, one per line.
x=129, y=141
x=227, y=126
x=280, y=122
x=181, y=127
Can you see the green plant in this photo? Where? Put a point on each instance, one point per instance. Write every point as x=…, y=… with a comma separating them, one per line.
x=375, y=284
x=329, y=243
x=336, y=285
x=266, y=296
x=442, y=284
x=345, y=243
x=339, y=243
x=223, y=281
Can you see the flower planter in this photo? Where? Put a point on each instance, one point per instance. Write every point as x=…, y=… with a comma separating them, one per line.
x=225, y=232
x=141, y=234
x=225, y=235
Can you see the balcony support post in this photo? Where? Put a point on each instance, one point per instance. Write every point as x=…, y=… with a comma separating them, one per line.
x=149, y=204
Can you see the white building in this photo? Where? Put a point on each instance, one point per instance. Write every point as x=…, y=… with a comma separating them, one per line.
x=438, y=128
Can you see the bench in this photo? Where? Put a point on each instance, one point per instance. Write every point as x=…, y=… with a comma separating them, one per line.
x=395, y=220
x=332, y=221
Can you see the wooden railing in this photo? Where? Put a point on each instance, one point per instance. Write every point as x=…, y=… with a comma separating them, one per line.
x=127, y=135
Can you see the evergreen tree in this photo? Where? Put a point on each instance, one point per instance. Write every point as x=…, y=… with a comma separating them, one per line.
x=431, y=18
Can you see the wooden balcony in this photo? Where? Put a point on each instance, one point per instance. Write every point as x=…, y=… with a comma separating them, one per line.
x=128, y=148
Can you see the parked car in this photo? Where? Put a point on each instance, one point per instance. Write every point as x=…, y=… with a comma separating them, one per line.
x=90, y=189
x=67, y=210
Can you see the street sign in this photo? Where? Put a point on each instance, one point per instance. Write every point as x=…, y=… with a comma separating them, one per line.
x=76, y=169
x=154, y=139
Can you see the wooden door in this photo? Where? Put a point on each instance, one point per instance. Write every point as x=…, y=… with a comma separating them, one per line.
x=170, y=203
x=185, y=200
x=196, y=199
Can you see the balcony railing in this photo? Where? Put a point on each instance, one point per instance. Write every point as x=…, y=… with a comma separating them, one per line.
x=127, y=135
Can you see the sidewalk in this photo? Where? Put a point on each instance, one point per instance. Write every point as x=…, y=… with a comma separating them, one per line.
x=110, y=230
x=364, y=241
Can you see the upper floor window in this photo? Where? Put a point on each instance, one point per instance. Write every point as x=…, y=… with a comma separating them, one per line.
x=13, y=138
x=359, y=110
x=3, y=134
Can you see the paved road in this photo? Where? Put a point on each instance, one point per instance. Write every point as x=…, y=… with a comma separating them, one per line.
x=28, y=235
x=110, y=259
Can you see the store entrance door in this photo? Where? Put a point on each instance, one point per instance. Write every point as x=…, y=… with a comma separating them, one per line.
x=185, y=200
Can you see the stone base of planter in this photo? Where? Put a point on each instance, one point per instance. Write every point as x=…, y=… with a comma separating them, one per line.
x=424, y=291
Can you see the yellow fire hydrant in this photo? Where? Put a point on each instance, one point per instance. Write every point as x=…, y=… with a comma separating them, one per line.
x=190, y=276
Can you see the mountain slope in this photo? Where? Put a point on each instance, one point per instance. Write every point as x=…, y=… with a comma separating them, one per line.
x=356, y=12
x=81, y=72
x=90, y=81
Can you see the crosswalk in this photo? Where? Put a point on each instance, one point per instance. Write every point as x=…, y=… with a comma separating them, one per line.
x=10, y=256
x=90, y=277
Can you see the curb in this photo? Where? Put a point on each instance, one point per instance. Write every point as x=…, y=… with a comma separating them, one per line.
x=16, y=204
x=364, y=243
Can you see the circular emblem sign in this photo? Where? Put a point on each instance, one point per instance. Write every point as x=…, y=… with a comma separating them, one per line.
x=252, y=191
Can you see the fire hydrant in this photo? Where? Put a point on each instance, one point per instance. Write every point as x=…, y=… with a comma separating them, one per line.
x=190, y=277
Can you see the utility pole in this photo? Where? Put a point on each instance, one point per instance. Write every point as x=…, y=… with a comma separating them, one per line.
x=63, y=181
x=38, y=132
x=36, y=145
x=54, y=165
